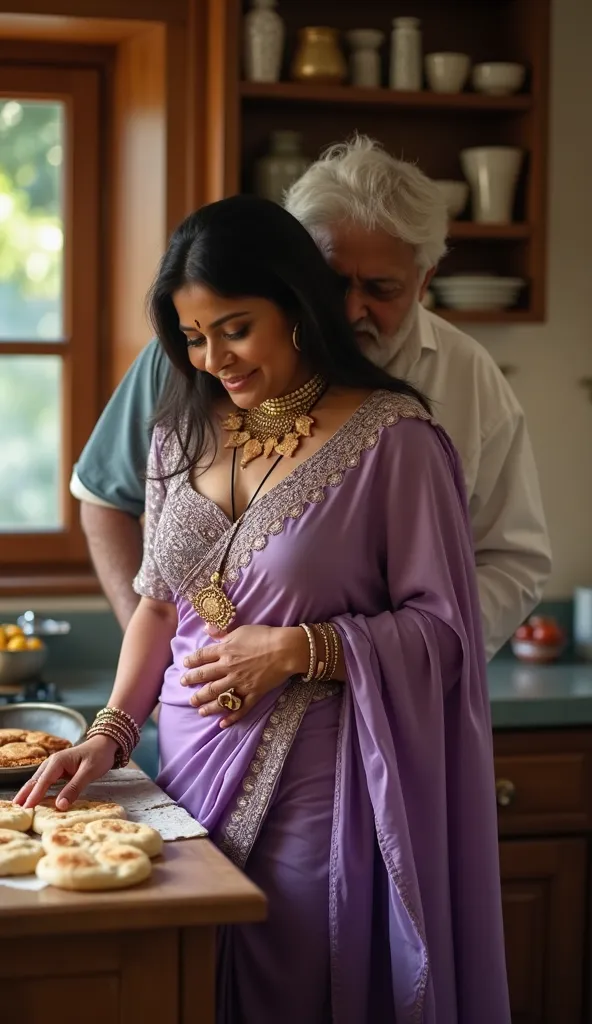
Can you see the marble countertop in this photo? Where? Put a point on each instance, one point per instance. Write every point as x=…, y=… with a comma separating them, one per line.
x=522, y=696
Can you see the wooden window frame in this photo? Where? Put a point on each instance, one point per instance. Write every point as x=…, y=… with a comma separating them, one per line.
x=79, y=88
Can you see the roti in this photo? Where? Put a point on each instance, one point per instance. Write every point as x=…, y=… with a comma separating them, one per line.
x=48, y=741
x=105, y=866
x=18, y=819
x=108, y=830
x=46, y=815
x=19, y=854
x=19, y=755
x=131, y=833
x=11, y=736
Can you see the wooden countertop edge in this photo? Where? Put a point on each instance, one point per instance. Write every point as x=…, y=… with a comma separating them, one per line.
x=197, y=887
x=108, y=917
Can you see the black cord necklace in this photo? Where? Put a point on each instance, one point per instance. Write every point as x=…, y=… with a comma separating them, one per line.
x=211, y=603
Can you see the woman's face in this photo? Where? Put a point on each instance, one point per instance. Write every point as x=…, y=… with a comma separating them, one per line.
x=245, y=342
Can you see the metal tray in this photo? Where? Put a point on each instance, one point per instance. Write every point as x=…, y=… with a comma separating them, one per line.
x=53, y=718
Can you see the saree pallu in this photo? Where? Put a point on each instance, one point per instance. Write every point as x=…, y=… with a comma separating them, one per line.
x=365, y=810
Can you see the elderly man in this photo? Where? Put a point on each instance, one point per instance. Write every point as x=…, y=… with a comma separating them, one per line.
x=382, y=225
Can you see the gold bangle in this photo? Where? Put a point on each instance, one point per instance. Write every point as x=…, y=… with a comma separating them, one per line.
x=117, y=714
x=322, y=666
x=336, y=648
x=331, y=639
x=123, y=751
x=312, y=645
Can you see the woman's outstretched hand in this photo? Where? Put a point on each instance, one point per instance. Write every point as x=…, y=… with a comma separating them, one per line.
x=251, y=660
x=82, y=765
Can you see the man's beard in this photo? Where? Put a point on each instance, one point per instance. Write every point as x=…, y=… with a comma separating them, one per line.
x=381, y=349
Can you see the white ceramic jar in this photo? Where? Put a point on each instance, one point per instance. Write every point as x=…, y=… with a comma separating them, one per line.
x=582, y=624
x=492, y=172
x=264, y=36
x=364, y=58
x=281, y=167
x=406, y=59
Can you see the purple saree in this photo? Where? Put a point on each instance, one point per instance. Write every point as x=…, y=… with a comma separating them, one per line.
x=365, y=811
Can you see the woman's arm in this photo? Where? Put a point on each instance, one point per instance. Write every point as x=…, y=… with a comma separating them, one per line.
x=145, y=655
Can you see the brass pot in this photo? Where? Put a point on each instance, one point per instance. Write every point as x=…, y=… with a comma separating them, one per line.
x=318, y=57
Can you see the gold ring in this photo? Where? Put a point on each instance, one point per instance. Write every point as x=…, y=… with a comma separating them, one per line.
x=229, y=700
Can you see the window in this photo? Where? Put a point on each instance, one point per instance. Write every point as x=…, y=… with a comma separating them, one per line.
x=49, y=308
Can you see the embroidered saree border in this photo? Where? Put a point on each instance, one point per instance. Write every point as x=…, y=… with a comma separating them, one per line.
x=258, y=785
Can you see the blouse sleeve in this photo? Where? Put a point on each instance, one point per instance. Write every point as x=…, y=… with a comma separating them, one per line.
x=149, y=581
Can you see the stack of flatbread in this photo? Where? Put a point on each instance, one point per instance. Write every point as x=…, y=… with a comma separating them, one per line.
x=20, y=748
x=90, y=846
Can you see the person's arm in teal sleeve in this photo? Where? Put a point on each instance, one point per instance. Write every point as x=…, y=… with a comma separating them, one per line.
x=109, y=479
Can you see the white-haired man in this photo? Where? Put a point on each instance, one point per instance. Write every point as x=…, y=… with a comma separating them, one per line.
x=382, y=225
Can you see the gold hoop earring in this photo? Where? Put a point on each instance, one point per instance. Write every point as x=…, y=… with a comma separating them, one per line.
x=295, y=334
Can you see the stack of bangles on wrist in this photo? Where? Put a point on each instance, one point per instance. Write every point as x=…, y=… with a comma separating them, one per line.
x=323, y=642
x=122, y=728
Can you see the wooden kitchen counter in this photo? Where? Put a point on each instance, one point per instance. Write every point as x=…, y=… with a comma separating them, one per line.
x=141, y=955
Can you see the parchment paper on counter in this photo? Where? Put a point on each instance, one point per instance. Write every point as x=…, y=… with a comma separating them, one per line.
x=143, y=801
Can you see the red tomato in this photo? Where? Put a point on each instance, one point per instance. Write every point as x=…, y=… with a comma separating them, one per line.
x=547, y=633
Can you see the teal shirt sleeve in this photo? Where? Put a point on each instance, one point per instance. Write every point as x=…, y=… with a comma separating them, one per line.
x=112, y=465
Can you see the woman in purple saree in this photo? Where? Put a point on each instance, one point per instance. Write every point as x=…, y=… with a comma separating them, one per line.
x=363, y=804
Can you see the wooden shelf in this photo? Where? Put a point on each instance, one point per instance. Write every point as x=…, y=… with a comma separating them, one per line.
x=469, y=230
x=302, y=92
x=487, y=316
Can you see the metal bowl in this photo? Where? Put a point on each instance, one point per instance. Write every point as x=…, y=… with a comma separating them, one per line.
x=53, y=718
x=18, y=666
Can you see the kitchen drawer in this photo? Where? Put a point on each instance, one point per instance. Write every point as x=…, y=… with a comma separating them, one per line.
x=543, y=790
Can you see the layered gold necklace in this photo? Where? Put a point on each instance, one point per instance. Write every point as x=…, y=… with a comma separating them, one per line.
x=277, y=425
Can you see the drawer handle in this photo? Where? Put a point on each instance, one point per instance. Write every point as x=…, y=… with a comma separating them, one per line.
x=505, y=791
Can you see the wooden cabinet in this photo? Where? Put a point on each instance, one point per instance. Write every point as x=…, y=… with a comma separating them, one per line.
x=134, y=956
x=543, y=891
x=544, y=790
x=423, y=126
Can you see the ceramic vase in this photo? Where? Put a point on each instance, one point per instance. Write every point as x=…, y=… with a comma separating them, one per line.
x=282, y=166
x=492, y=173
x=406, y=72
x=264, y=37
x=364, y=59
x=318, y=57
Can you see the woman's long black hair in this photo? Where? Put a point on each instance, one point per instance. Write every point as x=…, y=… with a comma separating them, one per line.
x=245, y=246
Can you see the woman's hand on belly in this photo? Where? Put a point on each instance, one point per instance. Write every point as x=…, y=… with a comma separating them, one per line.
x=251, y=660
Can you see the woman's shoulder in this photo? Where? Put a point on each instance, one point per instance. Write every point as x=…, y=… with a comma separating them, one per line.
x=389, y=408
x=166, y=444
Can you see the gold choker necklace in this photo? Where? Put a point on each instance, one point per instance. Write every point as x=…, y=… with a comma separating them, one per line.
x=276, y=425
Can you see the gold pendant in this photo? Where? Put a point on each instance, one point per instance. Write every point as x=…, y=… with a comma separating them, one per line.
x=288, y=445
x=269, y=446
x=303, y=424
x=238, y=439
x=233, y=421
x=252, y=450
x=212, y=604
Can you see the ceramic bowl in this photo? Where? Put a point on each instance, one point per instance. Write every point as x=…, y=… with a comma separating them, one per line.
x=18, y=666
x=478, y=291
x=535, y=653
x=498, y=79
x=455, y=195
x=447, y=72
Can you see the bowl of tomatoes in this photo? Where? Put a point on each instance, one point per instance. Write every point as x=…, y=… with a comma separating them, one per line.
x=21, y=657
x=539, y=640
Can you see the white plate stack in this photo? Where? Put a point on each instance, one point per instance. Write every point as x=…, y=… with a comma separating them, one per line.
x=478, y=291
